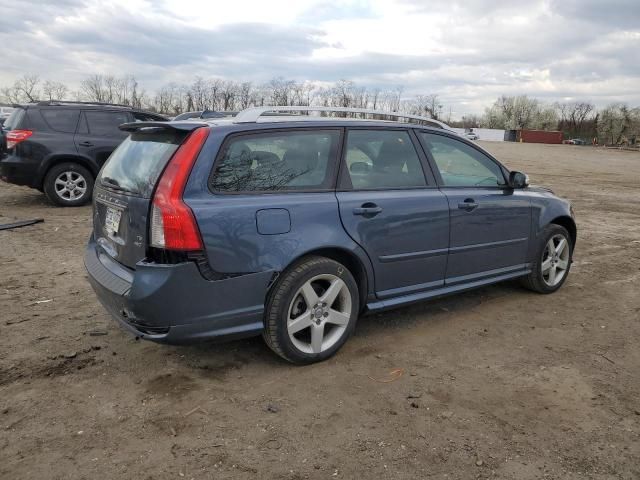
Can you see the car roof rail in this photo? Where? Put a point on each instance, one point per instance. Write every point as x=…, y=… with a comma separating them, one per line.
x=73, y=102
x=252, y=114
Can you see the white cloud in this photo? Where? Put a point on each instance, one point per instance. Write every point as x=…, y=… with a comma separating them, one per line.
x=468, y=52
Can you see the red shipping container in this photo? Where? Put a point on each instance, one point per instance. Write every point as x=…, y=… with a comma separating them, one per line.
x=539, y=136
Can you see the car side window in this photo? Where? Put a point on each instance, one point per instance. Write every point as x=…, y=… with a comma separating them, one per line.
x=106, y=124
x=461, y=165
x=295, y=160
x=61, y=120
x=378, y=159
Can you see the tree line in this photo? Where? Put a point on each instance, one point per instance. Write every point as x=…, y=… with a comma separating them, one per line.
x=614, y=124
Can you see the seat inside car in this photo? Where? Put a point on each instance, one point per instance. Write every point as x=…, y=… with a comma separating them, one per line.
x=391, y=164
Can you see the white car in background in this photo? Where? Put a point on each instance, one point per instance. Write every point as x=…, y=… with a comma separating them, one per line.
x=471, y=136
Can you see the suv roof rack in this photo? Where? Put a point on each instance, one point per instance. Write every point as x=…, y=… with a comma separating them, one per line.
x=71, y=102
x=251, y=115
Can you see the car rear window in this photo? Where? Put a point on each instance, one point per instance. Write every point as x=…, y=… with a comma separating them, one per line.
x=61, y=120
x=15, y=119
x=135, y=166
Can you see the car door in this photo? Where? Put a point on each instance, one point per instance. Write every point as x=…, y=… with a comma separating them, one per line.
x=98, y=134
x=390, y=205
x=490, y=222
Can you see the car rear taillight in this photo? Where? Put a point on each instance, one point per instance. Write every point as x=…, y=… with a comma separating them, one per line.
x=173, y=226
x=14, y=137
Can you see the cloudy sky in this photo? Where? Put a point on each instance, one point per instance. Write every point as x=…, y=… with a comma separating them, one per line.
x=468, y=52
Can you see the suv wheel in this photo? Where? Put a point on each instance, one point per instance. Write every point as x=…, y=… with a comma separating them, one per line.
x=311, y=311
x=553, y=261
x=68, y=185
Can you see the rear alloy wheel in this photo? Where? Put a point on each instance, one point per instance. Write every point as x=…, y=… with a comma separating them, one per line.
x=311, y=311
x=553, y=261
x=68, y=185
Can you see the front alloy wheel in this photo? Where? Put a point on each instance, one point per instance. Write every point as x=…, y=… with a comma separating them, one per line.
x=555, y=260
x=552, y=260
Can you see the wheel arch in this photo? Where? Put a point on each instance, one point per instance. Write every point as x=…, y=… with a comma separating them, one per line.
x=568, y=223
x=52, y=161
x=349, y=259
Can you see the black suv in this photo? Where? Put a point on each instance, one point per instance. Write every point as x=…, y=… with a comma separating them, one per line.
x=59, y=147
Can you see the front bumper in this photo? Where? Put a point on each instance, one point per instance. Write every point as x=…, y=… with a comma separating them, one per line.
x=174, y=303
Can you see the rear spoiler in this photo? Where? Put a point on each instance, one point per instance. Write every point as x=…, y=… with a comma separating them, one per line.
x=186, y=126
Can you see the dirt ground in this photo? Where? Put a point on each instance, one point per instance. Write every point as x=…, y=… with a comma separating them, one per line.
x=496, y=383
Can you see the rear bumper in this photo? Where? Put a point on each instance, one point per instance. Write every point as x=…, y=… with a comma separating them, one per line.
x=174, y=303
x=19, y=171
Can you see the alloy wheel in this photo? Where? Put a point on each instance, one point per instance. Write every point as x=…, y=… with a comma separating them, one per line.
x=555, y=260
x=70, y=186
x=319, y=314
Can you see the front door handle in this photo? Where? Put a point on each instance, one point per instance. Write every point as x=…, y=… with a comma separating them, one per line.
x=469, y=204
x=367, y=210
x=86, y=144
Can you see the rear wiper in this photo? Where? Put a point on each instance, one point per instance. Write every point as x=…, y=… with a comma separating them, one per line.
x=113, y=184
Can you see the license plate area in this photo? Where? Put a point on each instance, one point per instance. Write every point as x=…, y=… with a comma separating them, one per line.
x=112, y=221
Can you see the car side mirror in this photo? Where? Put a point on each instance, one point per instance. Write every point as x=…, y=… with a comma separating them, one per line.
x=518, y=180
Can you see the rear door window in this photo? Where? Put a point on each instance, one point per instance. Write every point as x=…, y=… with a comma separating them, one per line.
x=61, y=120
x=105, y=124
x=381, y=159
x=135, y=166
x=295, y=160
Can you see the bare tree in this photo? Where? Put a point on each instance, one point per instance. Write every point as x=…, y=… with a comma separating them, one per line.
x=228, y=92
x=426, y=105
x=24, y=89
x=93, y=88
x=279, y=91
x=245, y=95
x=574, y=115
x=54, y=90
x=27, y=86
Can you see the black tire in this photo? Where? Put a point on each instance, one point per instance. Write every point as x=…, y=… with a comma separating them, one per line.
x=76, y=171
x=282, y=296
x=535, y=280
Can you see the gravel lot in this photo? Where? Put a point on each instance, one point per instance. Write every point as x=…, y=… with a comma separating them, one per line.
x=496, y=383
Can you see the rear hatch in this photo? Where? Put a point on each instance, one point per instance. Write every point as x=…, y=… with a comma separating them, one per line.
x=124, y=190
x=13, y=122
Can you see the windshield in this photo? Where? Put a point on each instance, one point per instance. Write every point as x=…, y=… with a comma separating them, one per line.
x=134, y=167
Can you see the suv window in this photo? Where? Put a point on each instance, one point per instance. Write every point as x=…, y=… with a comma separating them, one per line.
x=61, y=120
x=106, y=123
x=382, y=159
x=461, y=165
x=296, y=160
x=15, y=119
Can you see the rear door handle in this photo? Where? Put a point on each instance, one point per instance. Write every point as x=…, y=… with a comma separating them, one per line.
x=86, y=144
x=469, y=204
x=367, y=210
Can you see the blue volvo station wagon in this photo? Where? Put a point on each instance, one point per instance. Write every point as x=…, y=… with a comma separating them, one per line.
x=292, y=226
